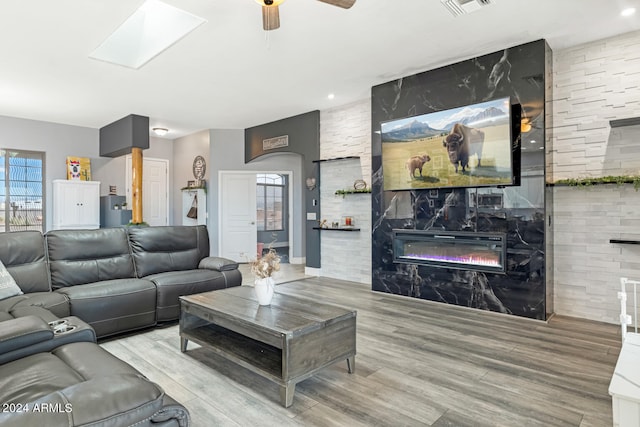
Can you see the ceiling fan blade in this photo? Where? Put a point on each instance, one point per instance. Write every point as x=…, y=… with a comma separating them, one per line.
x=270, y=18
x=345, y=4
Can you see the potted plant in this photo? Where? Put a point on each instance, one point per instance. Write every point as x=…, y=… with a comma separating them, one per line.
x=124, y=205
x=263, y=269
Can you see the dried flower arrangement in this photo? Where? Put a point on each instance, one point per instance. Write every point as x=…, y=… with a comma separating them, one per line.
x=266, y=265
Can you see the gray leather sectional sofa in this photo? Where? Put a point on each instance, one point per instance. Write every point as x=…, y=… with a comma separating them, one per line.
x=80, y=285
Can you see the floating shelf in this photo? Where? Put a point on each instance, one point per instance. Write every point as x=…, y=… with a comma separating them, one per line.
x=625, y=242
x=586, y=182
x=345, y=192
x=336, y=158
x=337, y=228
x=624, y=122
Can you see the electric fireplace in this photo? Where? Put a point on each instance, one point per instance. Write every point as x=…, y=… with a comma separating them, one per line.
x=451, y=249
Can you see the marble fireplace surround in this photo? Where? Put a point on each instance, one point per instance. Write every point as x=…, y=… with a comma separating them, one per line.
x=523, y=73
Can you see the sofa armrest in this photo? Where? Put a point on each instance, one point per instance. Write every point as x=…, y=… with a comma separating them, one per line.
x=123, y=400
x=23, y=332
x=218, y=263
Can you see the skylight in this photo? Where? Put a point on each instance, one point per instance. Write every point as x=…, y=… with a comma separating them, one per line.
x=151, y=29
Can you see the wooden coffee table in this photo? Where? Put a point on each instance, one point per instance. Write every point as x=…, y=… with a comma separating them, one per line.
x=286, y=342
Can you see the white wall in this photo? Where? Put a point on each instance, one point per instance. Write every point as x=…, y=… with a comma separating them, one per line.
x=595, y=83
x=346, y=131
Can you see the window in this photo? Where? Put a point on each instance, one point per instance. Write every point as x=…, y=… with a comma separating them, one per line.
x=269, y=201
x=21, y=190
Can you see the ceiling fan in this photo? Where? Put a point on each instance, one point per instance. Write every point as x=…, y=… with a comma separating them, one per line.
x=271, y=16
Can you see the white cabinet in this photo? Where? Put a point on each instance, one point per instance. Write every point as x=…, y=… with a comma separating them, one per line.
x=76, y=204
x=194, y=207
x=625, y=384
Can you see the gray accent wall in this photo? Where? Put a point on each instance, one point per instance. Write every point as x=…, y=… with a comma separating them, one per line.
x=227, y=154
x=303, y=133
x=120, y=137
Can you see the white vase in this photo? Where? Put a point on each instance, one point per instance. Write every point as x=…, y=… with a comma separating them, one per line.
x=264, y=289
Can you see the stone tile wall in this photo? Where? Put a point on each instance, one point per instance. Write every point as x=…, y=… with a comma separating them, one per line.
x=593, y=84
x=346, y=131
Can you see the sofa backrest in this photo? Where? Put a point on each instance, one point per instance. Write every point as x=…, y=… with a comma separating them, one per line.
x=23, y=253
x=77, y=257
x=168, y=248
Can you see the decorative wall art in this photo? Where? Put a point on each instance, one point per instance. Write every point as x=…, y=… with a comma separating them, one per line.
x=79, y=168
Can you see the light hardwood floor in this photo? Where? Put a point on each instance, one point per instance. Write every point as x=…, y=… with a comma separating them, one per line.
x=418, y=363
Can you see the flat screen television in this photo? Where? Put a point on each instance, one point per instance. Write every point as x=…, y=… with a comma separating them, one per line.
x=468, y=146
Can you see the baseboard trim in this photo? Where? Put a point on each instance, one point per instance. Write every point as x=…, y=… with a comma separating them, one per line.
x=311, y=271
x=297, y=260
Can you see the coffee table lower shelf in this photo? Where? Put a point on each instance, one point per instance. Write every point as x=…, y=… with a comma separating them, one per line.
x=252, y=354
x=286, y=359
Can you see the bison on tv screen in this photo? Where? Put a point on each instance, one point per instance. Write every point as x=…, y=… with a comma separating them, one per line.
x=468, y=146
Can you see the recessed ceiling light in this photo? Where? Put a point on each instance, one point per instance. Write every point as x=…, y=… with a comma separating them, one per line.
x=533, y=141
x=331, y=96
x=541, y=148
x=628, y=11
x=151, y=29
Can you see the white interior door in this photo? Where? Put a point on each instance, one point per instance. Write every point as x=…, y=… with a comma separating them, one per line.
x=238, y=228
x=155, y=188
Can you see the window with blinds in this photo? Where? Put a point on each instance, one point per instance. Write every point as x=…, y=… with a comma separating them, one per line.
x=21, y=190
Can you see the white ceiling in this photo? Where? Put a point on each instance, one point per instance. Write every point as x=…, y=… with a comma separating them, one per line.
x=230, y=74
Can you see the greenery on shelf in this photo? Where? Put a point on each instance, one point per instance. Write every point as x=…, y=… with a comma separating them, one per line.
x=345, y=192
x=587, y=182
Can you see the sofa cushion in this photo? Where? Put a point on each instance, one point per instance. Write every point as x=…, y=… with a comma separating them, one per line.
x=23, y=253
x=171, y=248
x=113, y=306
x=88, y=386
x=8, y=286
x=32, y=377
x=78, y=257
x=172, y=284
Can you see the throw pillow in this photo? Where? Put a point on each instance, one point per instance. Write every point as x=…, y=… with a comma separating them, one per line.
x=8, y=286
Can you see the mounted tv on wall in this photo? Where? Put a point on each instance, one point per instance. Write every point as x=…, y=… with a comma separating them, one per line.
x=468, y=146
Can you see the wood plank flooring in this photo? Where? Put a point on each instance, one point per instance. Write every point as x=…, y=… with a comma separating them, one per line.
x=418, y=363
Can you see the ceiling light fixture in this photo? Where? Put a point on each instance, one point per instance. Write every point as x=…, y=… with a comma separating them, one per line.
x=331, y=96
x=150, y=30
x=270, y=14
x=160, y=131
x=628, y=11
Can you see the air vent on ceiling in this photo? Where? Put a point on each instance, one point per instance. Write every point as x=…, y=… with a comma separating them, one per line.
x=462, y=7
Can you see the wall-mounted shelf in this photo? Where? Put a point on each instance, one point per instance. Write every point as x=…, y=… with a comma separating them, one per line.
x=631, y=121
x=337, y=228
x=346, y=192
x=336, y=158
x=589, y=182
x=625, y=242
